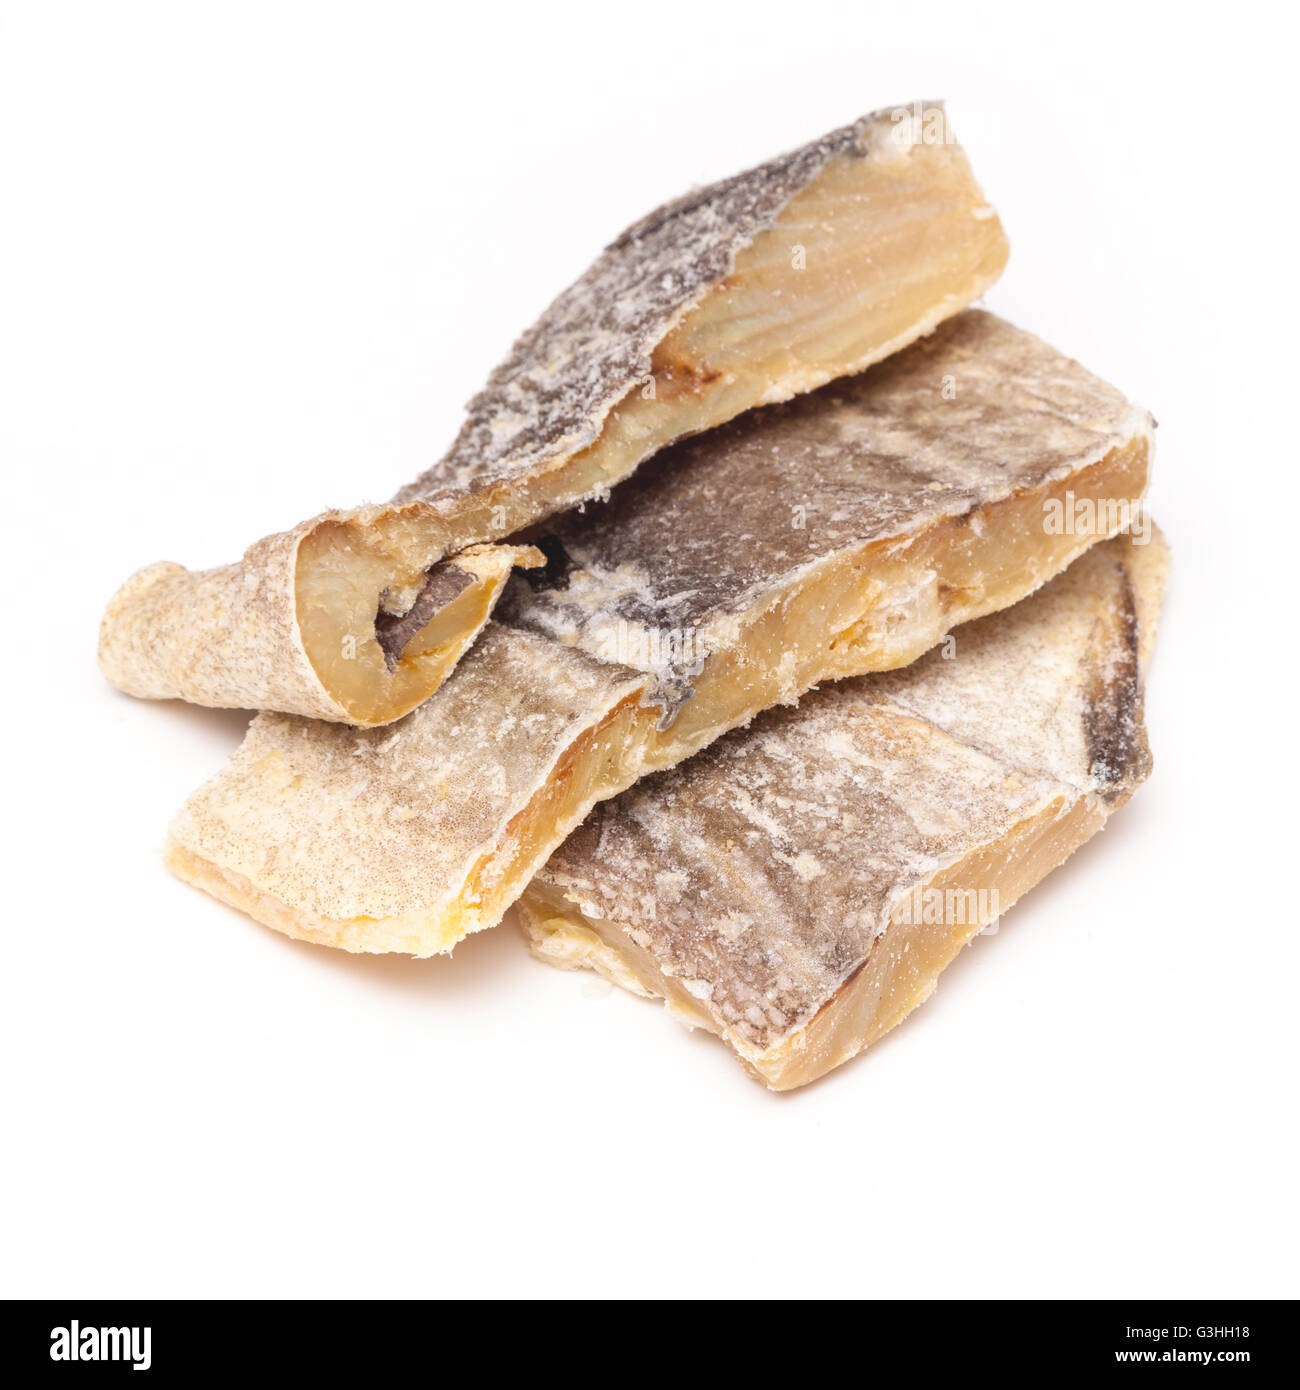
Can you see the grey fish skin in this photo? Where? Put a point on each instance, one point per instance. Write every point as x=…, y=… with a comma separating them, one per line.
x=925, y=509
x=725, y=520
x=752, y=887
x=441, y=584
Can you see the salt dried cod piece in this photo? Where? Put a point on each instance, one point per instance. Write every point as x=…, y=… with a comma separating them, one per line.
x=844, y=532
x=342, y=618
x=387, y=839
x=798, y=888
x=753, y=290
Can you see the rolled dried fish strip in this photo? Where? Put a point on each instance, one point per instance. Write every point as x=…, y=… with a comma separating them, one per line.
x=318, y=620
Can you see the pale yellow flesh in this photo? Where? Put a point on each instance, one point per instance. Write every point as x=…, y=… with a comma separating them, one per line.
x=900, y=972
x=871, y=610
x=345, y=571
x=861, y=262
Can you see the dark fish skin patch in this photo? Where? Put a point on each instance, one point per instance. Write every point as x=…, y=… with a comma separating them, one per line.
x=1112, y=721
x=559, y=565
x=394, y=631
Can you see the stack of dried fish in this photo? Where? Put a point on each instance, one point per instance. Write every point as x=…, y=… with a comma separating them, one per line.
x=839, y=463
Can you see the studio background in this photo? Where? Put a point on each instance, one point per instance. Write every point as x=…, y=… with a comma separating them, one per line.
x=253, y=260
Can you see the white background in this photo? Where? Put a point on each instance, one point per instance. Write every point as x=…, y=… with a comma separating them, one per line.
x=253, y=259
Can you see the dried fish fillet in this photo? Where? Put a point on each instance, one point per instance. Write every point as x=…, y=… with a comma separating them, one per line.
x=769, y=284
x=798, y=888
x=317, y=620
x=842, y=532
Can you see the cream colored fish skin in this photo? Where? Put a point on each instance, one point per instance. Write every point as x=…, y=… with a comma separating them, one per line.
x=913, y=528
x=226, y=636
x=754, y=888
x=691, y=317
